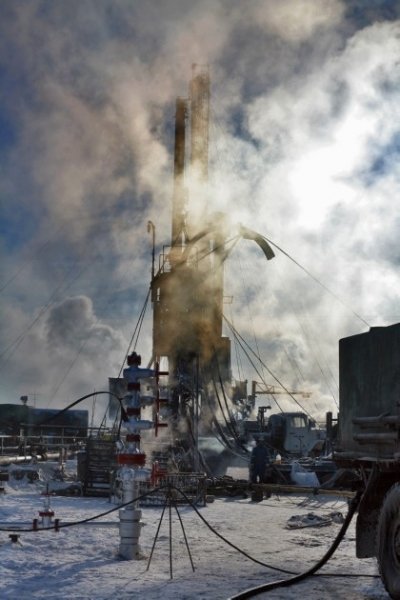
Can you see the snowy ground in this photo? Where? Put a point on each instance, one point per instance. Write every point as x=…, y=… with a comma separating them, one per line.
x=81, y=562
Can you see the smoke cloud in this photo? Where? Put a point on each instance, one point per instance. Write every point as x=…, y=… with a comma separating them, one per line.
x=304, y=143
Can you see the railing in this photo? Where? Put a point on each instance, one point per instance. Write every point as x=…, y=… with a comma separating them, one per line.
x=45, y=443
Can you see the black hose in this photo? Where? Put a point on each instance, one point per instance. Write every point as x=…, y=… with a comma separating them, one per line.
x=224, y=539
x=63, y=410
x=297, y=578
x=88, y=519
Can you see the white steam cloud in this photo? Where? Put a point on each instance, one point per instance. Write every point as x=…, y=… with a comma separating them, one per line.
x=304, y=146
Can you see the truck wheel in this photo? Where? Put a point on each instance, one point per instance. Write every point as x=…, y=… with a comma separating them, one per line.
x=389, y=542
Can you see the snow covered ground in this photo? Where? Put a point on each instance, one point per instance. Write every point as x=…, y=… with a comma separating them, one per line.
x=81, y=563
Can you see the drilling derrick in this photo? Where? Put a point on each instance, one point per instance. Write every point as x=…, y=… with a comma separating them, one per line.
x=187, y=291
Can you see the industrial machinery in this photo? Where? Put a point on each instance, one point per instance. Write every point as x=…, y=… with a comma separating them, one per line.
x=187, y=289
x=29, y=431
x=292, y=434
x=30, y=421
x=369, y=441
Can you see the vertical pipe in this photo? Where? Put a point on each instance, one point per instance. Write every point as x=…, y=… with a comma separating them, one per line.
x=199, y=90
x=199, y=123
x=196, y=417
x=178, y=202
x=151, y=227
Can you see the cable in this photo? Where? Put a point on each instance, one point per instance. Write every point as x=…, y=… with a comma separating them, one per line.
x=250, y=593
x=316, y=354
x=255, y=560
x=85, y=341
x=168, y=487
x=317, y=280
x=227, y=423
x=246, y=288
x=237, y=336
x=137, y=328
x=235, y=332
x=237, y=354
x=62, y=411
x=13, y=346
x=352, y=508
x=88, y=519
x=232, y=424
x=34, y=252
x=138, y=325
x=54, y=392
x=232, y=421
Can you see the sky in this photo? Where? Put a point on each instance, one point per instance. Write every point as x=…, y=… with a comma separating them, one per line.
x=304, y=140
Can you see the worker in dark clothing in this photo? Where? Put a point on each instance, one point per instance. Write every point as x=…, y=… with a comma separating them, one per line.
x=259, y=461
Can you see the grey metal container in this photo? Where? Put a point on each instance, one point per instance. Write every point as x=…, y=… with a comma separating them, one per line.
x=369, y=412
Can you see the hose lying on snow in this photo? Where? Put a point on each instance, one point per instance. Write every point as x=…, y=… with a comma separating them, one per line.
x=297, y=578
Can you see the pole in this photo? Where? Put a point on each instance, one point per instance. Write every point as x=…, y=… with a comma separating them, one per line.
x=151, y=227
x=196, y=418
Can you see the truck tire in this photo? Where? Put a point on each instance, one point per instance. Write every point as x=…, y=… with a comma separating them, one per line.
x=389, y=542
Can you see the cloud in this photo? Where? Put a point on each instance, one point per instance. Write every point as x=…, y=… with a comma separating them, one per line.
x=297, y=20
x=69, y=338
x=314, y=140
x=72, y=323
x=303, y=149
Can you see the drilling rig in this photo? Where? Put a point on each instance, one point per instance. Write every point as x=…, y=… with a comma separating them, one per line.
x=188, y=289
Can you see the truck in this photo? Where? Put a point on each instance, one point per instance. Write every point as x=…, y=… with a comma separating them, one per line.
x=292, y=434
x=368, y=441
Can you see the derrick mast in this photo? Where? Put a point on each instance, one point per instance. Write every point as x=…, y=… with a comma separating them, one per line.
x=187, y=292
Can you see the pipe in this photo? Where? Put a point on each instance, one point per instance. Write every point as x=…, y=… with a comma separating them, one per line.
x=8, y=460
x=151, y=227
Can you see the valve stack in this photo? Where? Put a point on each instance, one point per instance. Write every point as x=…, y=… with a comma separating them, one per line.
x=131, y=459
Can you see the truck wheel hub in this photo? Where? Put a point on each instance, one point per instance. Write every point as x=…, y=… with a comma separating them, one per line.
x=396, y=543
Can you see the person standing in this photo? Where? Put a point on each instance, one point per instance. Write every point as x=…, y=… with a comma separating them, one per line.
x=259, y=461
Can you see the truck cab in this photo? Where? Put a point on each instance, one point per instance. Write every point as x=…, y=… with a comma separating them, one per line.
x=294, y=434
x=291, y=434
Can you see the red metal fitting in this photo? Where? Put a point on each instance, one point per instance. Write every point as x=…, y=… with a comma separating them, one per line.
x=138, y=460
x=133, y=437
x=160, y=401
x=158, y=373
